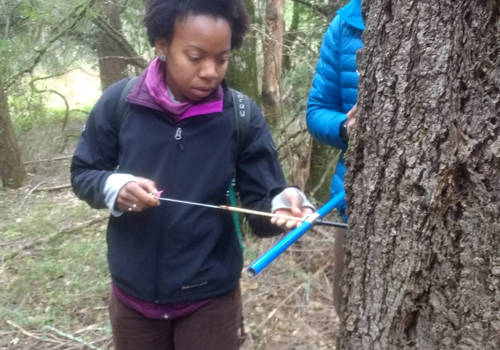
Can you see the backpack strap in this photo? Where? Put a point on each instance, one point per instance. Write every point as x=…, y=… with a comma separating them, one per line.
x=233, y=200
x=123, y=105
x=242, y=115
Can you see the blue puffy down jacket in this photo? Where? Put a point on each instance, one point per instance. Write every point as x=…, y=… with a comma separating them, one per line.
x=335, y=86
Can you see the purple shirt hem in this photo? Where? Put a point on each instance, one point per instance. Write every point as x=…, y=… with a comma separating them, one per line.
x=159, y=311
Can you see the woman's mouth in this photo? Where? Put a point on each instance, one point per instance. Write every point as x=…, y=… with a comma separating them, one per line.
x=204, y=88
x=202, y=91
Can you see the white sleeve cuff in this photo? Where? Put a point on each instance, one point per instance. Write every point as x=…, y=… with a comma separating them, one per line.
x=280, y=202
x=112, y=187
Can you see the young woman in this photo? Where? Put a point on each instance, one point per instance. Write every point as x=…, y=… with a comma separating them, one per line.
x=175, y=268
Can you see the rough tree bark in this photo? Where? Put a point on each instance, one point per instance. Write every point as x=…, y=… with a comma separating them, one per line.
x=423, y=252
x=12, y=171
x=273, y=57
x=242, y=72
x=111, y=67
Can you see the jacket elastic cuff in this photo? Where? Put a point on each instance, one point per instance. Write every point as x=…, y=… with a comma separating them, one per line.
x=112, y=187
x=281, y=202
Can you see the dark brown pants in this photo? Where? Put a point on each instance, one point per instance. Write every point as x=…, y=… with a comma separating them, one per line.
x=215, y=326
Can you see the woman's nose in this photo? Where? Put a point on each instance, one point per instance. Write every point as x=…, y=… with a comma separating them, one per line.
x=209, y=70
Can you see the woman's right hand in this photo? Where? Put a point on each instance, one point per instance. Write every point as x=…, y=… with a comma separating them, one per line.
x=137, y=196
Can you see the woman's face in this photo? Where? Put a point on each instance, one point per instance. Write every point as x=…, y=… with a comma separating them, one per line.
x=197, y=56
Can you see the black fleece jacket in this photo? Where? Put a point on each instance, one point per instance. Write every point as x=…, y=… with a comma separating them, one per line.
x=175, y=252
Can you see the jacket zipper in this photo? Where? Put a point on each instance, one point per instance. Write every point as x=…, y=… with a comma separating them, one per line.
x=178, y=139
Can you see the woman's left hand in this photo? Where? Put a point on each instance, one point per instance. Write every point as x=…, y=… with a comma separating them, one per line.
x=296, y=209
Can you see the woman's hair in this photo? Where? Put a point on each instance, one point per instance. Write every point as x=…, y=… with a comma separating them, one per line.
x=161, y=16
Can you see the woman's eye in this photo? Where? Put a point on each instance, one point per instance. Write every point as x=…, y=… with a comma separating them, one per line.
x=194, y=59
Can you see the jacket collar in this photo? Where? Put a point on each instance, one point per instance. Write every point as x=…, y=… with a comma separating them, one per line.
x=141, y=96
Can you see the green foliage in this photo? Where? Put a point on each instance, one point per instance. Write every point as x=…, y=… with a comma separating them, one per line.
x=30, y=111
x=8, y=52
x=133, y=29
x=297, y=83
x=26, y=111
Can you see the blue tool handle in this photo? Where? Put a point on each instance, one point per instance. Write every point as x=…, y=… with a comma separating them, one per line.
x=331, y=204
x=261, y=263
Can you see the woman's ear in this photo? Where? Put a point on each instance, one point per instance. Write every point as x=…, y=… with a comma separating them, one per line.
x=161, y=47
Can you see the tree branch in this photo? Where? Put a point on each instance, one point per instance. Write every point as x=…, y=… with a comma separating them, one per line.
x=326, y=174
x=51, y=189
x=63, y=231
x=72, y=338
x=47, y=160
x=66, y=113
x=81, y=226
x=320, y=10
x=77, y=15
x=31, y=335
x=131, y=55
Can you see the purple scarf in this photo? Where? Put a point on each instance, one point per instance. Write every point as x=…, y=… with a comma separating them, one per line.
x=181, y=110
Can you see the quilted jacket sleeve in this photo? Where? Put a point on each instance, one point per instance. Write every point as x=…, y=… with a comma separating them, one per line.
x=324, y=107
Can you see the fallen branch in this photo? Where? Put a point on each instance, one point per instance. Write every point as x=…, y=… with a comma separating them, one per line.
x=5, y=333
x=47, y=160
x=81, y=226
x=16, y=241
x=31, y=335
x=30, y=192
x=51, y=189
x=67, y=230
x=107, y=340
x=71, y=337
x=29, y=245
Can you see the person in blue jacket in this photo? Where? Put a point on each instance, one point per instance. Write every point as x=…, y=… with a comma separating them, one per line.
x=331, y=108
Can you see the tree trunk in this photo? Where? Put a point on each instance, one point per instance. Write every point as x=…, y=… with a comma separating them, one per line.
x=273, y=56
x=423, y=259
x=290, y=37
x=12, y=170
x=242, y=72
x=111, y=67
